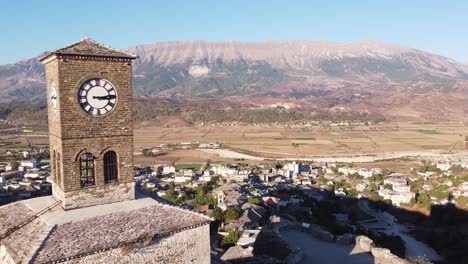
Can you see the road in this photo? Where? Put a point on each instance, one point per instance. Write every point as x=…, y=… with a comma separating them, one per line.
x=414, y=248
x=317, y=251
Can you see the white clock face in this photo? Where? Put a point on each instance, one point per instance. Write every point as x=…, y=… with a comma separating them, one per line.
x=97, y=97
x=53, y=96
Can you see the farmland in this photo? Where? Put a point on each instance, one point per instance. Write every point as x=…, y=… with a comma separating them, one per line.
x=383, y=141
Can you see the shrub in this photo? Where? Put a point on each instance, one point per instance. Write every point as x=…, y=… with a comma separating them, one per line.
x=231, y=238
x=255, y=200
x=232, y=214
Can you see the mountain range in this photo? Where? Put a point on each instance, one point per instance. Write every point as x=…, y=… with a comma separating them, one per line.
x=305, y=75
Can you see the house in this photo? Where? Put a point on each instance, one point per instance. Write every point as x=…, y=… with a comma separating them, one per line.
x=5, y=176
x=182, y=178
x=229, y=196
x=253, y=216
x=29, y=164
x=168, y=169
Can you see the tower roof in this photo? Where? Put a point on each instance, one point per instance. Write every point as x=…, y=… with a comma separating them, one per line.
x=88, y=48
x=59, y=235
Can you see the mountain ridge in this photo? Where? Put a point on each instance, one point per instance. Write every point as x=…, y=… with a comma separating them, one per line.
x=300, y=74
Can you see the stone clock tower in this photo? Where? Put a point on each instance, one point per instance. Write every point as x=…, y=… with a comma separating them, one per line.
x=89, y=90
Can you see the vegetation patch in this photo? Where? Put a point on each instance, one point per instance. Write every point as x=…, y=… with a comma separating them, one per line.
x=195, y=167
x=428, y=131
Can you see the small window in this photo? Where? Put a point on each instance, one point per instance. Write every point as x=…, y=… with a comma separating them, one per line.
x=110, y=167
x=87, y=170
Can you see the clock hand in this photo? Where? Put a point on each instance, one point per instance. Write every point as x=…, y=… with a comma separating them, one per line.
x=106, y=97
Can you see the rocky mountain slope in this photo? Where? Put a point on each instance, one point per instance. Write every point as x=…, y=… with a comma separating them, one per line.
x=296, y=74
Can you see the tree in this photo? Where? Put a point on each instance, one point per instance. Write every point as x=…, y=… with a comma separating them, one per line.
x=147, y=152
x=388, y=186
x=203, y=196
x=215, y=179
x=255, y=200
x=171, y=185
x=217, y=214
x=231, y=238
x=171, y=195
x=423, y=200
x=232, y=214
x=320, y=172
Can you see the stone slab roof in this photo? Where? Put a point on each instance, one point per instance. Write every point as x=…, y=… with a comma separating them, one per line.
x=59, y=234
x=87, y=47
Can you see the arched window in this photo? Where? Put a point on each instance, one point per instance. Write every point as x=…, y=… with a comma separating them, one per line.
x=110, y=167
x=87, y=170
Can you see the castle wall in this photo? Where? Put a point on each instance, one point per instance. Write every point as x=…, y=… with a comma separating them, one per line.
x=189, y=246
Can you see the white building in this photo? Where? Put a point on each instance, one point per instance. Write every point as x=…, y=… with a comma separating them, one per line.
x=182, y=178
x=29, y=164
x=168, y=169
x=400, y=193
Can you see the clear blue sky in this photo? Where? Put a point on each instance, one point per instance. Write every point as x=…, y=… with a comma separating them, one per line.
x=31, y=27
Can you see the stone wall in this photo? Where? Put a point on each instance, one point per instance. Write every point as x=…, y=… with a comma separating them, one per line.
x=381, y=255
x=190, y=246
x=5, y=258
x=70, y=121
x=104, y=194
x=74, y=132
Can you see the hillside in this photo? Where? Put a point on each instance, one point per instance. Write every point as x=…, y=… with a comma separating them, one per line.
x=305, y=75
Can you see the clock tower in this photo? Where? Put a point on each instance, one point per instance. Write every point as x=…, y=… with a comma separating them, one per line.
x=89, y=91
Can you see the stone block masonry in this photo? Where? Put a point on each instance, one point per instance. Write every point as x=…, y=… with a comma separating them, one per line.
x=74, y=132
x=187, y=247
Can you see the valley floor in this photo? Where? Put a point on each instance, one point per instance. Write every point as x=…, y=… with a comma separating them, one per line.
x=347, y=144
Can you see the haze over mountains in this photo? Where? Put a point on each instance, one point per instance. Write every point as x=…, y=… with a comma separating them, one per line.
x=313, y=75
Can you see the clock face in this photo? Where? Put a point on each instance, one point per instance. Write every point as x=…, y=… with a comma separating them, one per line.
x=53, y=96
x=97, y=97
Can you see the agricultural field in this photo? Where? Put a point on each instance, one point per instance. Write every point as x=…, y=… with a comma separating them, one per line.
x=19, y=138
x=385, y=141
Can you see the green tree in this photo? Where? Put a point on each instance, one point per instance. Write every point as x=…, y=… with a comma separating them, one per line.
x=171, y=185
x=388, y=186
x=171, y=195
x=231, y=238
x=255, y=200
x=217, y=214
x=423, y=200
x=203, y=196
x=320, y=172
x=232, y=214
x=147, y=152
